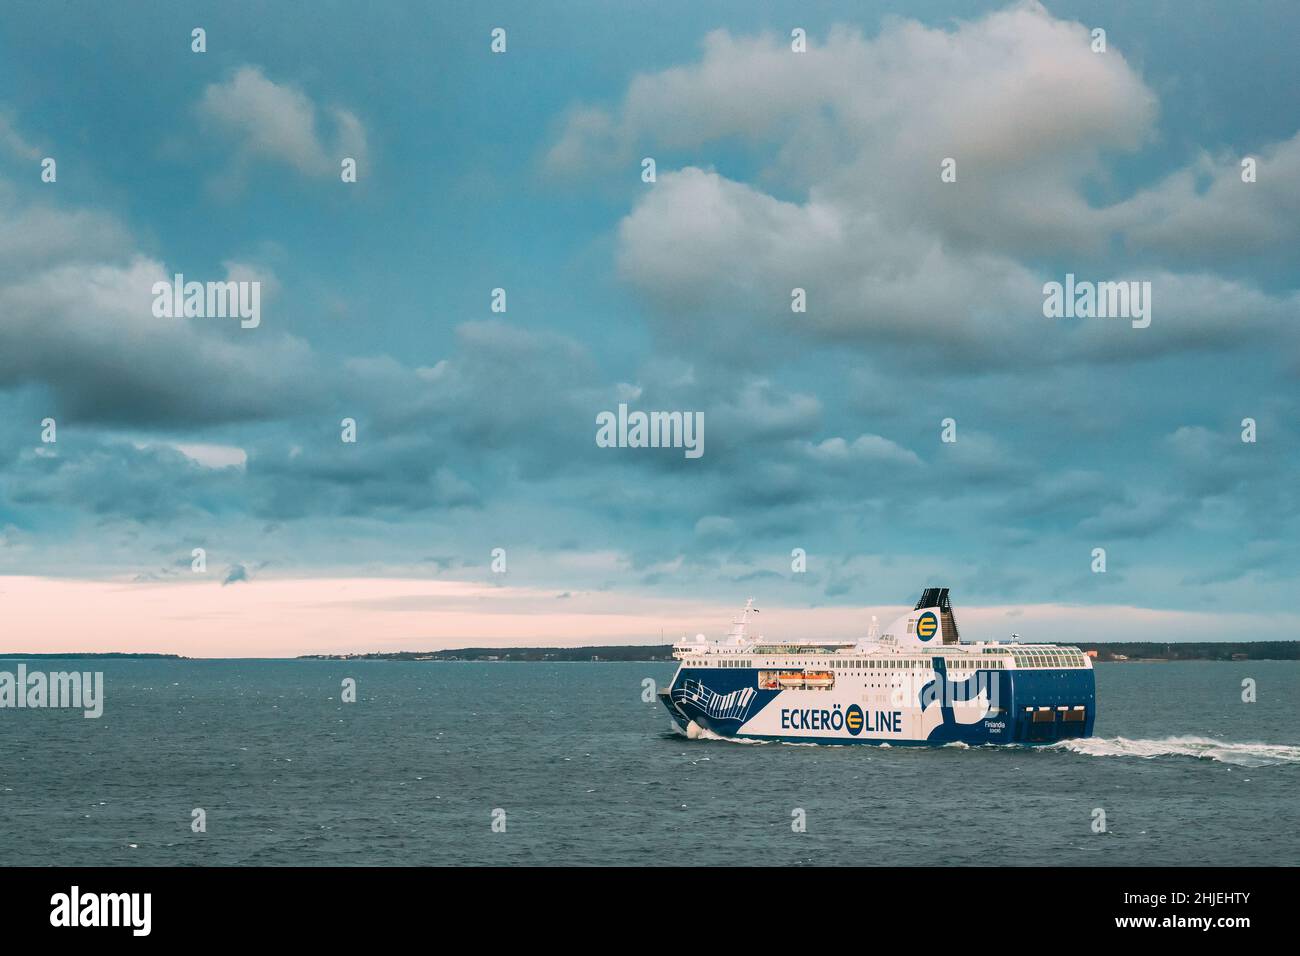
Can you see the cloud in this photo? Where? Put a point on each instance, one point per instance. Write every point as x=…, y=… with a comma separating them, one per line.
x=87, y=333
x=1017, y=96
x=848, y=203
x=13, y=142
x=150, y=485
x=272, y=122
x=864, y=450
x=234, y=574
x=715, y=530
x=1205, y=214
x=759, y=411
x=1137, y=517
x=36, y=235
x=214, y=456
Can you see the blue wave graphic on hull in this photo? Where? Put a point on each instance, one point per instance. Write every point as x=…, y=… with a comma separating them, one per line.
x=732, y=706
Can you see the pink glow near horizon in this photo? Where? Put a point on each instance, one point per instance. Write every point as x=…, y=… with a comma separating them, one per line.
x=287, y=617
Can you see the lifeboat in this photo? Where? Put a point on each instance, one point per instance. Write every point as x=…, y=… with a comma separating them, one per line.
x=807, y=679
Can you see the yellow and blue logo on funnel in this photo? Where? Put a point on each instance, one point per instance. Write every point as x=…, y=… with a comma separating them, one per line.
x=927, y=626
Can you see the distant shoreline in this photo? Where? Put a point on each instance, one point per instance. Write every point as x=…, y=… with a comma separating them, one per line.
x=90, y=655
x=1107, y=652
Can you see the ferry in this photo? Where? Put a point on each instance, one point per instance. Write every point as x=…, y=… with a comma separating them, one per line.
x=915, y=684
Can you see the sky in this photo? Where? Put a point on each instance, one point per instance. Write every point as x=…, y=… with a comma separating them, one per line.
x=476, y=504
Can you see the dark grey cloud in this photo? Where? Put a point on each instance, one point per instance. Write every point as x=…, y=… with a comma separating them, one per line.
x=234, y=574
x=78, y=322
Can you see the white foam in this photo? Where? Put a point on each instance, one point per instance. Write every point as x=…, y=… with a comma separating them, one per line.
x=1202, y=748
x=706, y=734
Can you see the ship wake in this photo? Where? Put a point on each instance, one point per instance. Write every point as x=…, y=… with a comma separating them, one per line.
x=1201, y=748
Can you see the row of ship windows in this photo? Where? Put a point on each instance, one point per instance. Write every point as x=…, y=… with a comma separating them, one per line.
x=1053, y=658
x=873, y=665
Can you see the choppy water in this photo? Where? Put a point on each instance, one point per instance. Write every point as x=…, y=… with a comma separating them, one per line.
x=587, y=773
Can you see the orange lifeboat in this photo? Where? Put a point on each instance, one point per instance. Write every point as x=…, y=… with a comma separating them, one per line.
x=807, y=679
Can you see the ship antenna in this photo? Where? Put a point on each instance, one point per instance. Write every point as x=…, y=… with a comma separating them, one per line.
x=739, y=624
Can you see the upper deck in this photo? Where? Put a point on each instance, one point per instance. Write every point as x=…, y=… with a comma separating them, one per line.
x=993, y=655
x=913, y=641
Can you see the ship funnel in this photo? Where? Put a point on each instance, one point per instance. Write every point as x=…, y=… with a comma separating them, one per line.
x=929, y=624
x=938, y=598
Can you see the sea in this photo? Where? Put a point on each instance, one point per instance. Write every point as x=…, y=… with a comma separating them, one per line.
x=574, y=764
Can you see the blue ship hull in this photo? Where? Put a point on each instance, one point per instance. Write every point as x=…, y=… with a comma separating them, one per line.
x=1032, y=706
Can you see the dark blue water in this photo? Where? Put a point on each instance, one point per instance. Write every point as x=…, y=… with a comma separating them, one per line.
x=588, y=773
